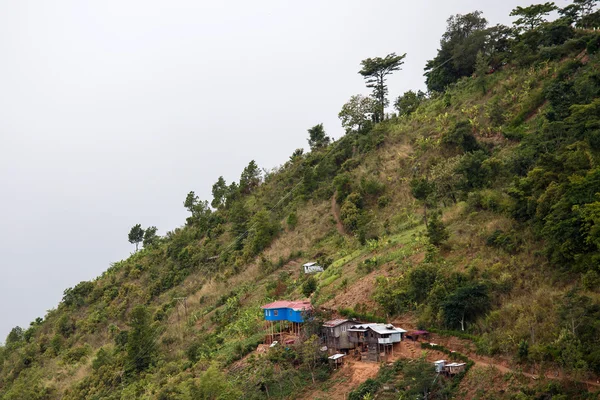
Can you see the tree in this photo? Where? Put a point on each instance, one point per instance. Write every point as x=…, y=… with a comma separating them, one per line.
x=465, y=35
x=465, y=304
x=15, y=335
x=219, y=192
x=309, y=286
x=297, y=155
x=357, y=112
x=533, y=16
x=481, y=69
x=250, y=178
x=436, y=231
x=215, y=385
x=141, y=344
x=190, y=202
x=423, y=191
x=317, y=137
x=408, y=102
x=311, y=354
x=375, y=70
x=261, y=232
x=150, y=237
x=136, y=235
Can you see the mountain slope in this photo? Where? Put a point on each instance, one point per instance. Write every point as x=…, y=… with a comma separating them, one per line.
x=476, y=214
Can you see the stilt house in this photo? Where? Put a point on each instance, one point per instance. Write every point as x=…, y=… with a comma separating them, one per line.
x=285, y=316
x=375, y=340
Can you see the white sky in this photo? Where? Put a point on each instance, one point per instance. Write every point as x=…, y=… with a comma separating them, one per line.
x=113, y=110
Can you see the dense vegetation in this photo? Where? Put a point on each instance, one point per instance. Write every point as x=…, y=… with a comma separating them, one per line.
x=474, y=208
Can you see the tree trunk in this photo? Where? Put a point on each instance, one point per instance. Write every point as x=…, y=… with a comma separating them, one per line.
x=462, y=323
x=425, y=214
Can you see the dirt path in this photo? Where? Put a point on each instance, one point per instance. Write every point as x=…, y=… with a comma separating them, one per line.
x=335, y=210
x=350, y=375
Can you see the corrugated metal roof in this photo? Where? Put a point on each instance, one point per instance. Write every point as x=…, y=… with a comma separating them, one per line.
x=382, y=329
x=336, y=356
x=309, y=264
x=334, y=322
x=294, y=305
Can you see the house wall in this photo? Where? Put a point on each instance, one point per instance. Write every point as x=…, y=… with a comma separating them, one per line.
x=283, y=314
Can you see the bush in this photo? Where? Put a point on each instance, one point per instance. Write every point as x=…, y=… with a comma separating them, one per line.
x=495, y=112
x=309, y=286
x=436, y=230
x=372, y=187
x=383, y=201
x=505, y=241
x=591, y=280
x=292, y=220
x=460, y=136
x=76, y=354
x=593, y=45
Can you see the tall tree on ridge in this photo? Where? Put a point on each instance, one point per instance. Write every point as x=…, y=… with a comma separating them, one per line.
x=136, y=235
x=375, y=70
x=317, y=137
x=533, y=16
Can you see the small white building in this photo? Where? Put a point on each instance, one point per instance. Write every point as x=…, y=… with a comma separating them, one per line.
x=439, y=365
x=312, y=267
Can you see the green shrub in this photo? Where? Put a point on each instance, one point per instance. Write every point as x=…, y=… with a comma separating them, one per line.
x=591, y=280
x=309, y=286
x=383, y=201
x=460, y=136
x=508, y=242
x=75, y=354
x=371, y=187
x=436, y=230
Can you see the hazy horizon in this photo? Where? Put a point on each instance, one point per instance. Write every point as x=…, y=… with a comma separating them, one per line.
x=114, y=111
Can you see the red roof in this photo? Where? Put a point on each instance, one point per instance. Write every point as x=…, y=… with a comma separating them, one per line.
x=294, y=305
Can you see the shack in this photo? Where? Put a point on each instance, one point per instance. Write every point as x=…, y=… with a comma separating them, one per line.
x=448, y=369
x=335, y=334
x=312, y=268
x=376, y=340
x=454, y=368
x=336, y=359
x=286, y=316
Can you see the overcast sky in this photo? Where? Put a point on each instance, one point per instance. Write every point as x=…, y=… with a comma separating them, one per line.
x=111, y=111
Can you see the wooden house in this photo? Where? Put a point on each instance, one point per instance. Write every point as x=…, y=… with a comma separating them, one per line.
x=286, y=315
x=377, y=340
x=335, y=334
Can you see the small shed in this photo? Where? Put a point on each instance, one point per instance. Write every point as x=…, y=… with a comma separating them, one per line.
x=454, y=368
x=439, y=365
x=336, y=359
x=312, y=268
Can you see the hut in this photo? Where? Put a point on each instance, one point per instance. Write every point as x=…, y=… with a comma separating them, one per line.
x=336, y=359
x=454, y=368
x=312, y=267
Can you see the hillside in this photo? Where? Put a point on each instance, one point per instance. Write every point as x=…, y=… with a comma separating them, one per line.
x=473, y=213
